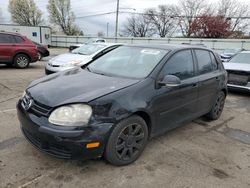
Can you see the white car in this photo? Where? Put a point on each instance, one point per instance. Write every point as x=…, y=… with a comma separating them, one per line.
x=92, y=40
x=238, y=69
x=78, y=57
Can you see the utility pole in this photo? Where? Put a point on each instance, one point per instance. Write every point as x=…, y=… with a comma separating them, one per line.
x=107, y=29
x=116, y=21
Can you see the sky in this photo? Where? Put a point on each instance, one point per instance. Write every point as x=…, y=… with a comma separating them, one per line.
x=94, y=24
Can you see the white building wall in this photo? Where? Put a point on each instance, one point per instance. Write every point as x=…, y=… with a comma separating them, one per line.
x=38, y=34
x=216, y=44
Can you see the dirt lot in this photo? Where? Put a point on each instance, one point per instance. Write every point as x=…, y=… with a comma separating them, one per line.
x=199, y=154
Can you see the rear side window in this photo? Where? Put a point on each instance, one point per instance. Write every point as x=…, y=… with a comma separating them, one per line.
x=4, y=38
x=18, y=39
x=214, y=61
x=205, y=64
x=180, y=65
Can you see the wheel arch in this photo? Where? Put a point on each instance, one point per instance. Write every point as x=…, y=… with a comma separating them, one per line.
x=19, y=53
x=146, y=117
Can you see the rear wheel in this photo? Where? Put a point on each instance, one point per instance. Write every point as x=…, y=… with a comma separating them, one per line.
x=127, y=141
x=218, y=106
x=21, y=61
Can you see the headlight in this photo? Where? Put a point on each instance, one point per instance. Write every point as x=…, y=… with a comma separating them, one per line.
x=71, y=115
x=71, y=63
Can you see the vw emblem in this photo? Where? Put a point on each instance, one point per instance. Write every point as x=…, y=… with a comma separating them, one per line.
x=27, y=103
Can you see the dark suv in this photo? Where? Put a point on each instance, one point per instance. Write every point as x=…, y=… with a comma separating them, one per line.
x=112, y=106
x=17, y=50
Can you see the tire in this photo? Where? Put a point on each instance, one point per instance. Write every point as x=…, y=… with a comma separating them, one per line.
x=127, y=141
x=21, y=61
x=40, y=56
x=218, y=106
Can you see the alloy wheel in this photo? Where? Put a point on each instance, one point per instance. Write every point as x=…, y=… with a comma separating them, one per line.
x=130, y=141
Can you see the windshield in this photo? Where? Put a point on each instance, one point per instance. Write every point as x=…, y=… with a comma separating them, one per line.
x=241, y=58
x=88, y=49
x=231, y=51
x=129, y=62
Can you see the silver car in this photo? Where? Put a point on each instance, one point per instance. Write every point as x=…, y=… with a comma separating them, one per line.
x=238, y=69
x=78, y=57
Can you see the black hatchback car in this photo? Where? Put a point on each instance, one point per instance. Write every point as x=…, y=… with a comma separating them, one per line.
x=112, y=106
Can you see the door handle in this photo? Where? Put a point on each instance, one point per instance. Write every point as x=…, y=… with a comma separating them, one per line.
x=194, y=85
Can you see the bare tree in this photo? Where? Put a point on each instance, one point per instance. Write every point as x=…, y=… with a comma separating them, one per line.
x=189, y=11
x=62, y=16
x=25, y=12
x=138, y=26
x=163, y=19
x=237, y=10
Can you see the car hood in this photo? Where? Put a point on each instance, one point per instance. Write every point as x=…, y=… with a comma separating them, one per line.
x=74, y=86
x=68, y=57
x=237, y=66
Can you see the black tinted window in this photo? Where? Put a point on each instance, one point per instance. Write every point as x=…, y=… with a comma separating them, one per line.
x=18, y=39
x=181, y=65
x=7, y=38
x=204, y=61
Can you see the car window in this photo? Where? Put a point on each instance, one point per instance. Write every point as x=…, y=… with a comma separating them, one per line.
x=88, y=49
x=241, y=58
x=180, y=64
x=4, y=38
x=18, y=39
x=214, y=61
x=204, y=61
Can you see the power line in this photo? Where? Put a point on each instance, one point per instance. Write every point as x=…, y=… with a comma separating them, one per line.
x=94, y=15
x=151, y=14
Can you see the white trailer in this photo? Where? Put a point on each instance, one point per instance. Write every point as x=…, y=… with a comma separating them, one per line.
x=39, y=34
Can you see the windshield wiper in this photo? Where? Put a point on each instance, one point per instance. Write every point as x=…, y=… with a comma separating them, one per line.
x=88, y=69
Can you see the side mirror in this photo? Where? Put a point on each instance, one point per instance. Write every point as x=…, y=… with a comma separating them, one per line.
x=170, y=81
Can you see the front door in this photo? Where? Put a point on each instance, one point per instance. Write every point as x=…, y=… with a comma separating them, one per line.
x=175, y=105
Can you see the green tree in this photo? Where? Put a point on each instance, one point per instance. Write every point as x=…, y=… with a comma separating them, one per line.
x=60, y=14
x=25, y=12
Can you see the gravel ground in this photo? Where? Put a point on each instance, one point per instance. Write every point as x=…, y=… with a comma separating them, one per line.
x=198, y=154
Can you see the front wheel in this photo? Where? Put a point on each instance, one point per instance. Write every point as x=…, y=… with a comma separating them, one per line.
x=127, y=141
x=21, y=61
x=218, y=106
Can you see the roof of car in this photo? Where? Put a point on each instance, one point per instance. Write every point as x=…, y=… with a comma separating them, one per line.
x=167, y=46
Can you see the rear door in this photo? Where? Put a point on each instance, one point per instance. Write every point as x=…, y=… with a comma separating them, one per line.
x=7, y=47
x=209, y=78
x=175, y=105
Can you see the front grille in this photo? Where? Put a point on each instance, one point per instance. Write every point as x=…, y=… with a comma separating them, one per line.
x=50, y=148
x=35, y=107
x=55, y=65
x=240, y=78
x=40, y=109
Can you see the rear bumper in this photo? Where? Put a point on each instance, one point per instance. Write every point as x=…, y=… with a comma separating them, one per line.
x=66, y=143
x=34, y=59
x=45, y=53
